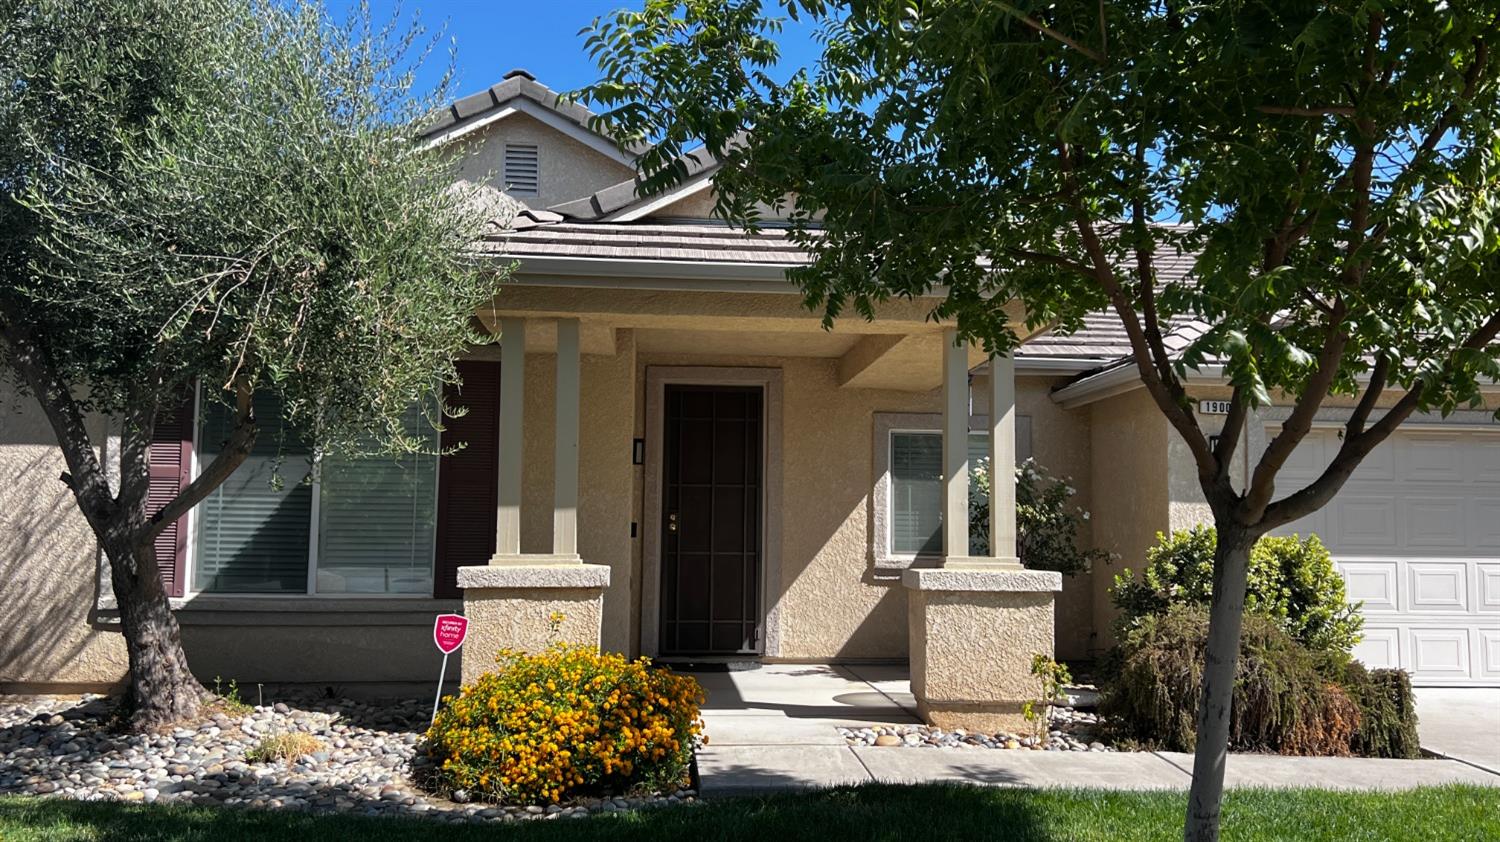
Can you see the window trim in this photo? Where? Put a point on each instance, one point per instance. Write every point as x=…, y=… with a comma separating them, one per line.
x=190, y=590
x=881, y=521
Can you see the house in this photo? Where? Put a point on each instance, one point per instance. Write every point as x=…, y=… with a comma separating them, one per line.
x=688, y=466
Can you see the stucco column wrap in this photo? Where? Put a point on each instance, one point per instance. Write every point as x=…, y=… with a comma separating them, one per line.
x=512, y=439
x=528, y=608
x=973, y=635
x=955, y=444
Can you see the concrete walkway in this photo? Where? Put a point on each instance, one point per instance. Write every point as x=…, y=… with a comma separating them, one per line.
x=1462, y=723
x=775, y=728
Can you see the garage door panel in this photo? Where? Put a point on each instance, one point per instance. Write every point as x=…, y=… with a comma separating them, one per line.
x=1433, y=521
x=1379, y=465
x=1380, y=648
x=1484, y=459
x=1488, y=657
x=1487, y=587
x=1365, y=522
x=1430, y=457
x=1439, y=652
x=1306, y=462
x=1484, y=525
x=1372, y=583
x=1437, y=586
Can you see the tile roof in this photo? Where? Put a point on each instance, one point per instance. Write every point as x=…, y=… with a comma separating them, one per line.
x=516, y=83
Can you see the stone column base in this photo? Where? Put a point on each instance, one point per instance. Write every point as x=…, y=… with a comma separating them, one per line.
x=510, y=606
x=973, y=634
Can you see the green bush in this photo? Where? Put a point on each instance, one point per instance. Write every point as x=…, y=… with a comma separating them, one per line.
x=1291, y=581
x=1387, y=712
x=1046, y=520
x=1282, y=701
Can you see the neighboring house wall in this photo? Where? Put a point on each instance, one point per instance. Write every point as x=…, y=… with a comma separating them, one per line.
x=1131, y=501
x=47, y=562
x=568, y=169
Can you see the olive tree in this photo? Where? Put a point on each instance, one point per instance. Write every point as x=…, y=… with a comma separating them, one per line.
x=1329, y=169
x=220, y=194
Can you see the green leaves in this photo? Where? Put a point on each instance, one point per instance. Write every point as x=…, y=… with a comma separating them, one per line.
x=242, y=204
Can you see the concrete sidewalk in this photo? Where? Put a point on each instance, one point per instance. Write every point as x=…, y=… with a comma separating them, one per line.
x=775, y=728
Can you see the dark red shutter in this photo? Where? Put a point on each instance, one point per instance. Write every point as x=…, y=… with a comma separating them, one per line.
x=468, y=479
x=171, y=470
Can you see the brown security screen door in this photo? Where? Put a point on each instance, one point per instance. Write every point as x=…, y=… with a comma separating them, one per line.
x=711, y=472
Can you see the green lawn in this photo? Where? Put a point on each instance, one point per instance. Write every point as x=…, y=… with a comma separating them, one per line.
x=859, y=813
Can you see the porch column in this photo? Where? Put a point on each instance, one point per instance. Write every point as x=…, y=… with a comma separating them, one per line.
x=528, y=601
x=565, y=460
x=955, y=446
x=512, y=438
x=975, y=623
x=1003, y=461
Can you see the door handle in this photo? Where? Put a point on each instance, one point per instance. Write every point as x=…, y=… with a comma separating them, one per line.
x=672, y=522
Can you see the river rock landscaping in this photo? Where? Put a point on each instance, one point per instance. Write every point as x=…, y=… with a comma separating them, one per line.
x=1070, y=727
x=368, y=761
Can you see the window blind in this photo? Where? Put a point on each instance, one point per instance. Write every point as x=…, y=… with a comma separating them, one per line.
x=253, y=530
x=916, y=493
x=376, y=519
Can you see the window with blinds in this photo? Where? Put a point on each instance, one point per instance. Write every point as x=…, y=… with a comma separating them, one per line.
x=355, y=525
x=522, y=173
x=253, y=530
x=376, y=520
x=917, y=489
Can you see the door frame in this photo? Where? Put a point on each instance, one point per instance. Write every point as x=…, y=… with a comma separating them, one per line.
x=769, y=381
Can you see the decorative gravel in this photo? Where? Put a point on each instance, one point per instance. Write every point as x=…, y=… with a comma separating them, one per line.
x=64, y=748
x=1069, y=728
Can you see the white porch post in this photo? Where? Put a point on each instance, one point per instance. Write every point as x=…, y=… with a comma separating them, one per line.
x=512, y=438
x=565, y=488
x=955, y=446
x=1003, y=460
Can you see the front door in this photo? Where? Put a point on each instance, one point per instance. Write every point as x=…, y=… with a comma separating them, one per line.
x=711, y=520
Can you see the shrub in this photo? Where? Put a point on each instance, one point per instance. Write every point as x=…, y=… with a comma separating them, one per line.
x=1046, y=522
x=566, y=722
x=1387, y=712
x=1291, y=580
x=1282, y=702
x=288, y=746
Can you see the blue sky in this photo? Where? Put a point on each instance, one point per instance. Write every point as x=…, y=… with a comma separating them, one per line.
x=540, y=35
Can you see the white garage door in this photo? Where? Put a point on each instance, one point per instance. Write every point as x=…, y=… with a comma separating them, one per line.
x=1416, y=533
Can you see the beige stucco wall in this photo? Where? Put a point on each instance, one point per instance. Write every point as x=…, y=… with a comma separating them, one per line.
x=567, y=169
x=47, y=561
x=1130, y=498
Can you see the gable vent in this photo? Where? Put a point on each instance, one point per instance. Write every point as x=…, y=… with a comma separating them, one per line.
x=521, y=172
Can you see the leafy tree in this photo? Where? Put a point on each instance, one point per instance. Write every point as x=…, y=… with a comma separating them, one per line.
x=221, y=192
x=1330, y=168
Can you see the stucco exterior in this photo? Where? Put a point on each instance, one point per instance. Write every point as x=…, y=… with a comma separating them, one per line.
x=566, y=168
x=1131, y=502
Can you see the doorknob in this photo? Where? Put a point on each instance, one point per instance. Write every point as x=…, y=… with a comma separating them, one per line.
x=672, y=522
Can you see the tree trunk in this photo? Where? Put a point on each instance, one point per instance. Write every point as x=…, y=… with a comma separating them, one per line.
x=162, y=689
x=1221, y=659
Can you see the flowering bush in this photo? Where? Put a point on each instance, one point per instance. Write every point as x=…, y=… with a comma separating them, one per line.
x=567, y=722
x=1046, y=523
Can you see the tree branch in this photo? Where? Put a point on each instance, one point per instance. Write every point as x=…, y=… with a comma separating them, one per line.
x=1234, y=427
x=241, y=440
x=85, y=476
x=1051, y=260
x=1263, y=480
x=1048, y=31
x=1161, y=383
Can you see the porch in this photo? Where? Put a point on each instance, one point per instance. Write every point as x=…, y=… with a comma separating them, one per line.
x=683, y=480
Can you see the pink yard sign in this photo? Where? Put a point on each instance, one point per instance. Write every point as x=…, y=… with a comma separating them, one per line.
x=449, y=632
